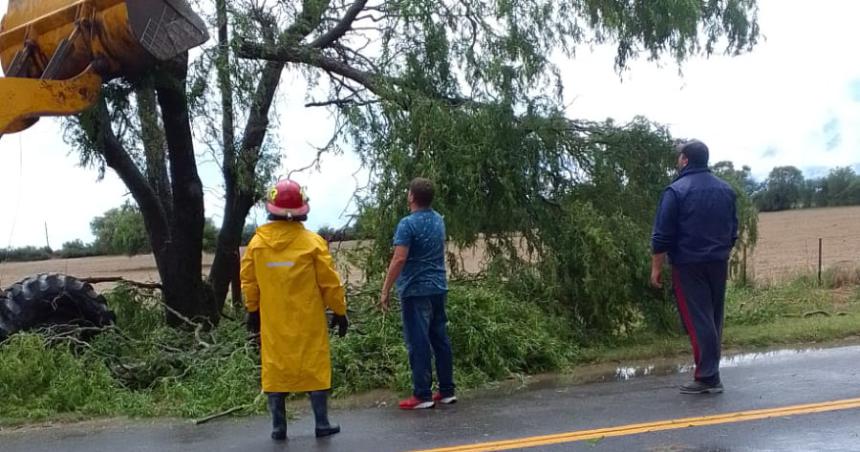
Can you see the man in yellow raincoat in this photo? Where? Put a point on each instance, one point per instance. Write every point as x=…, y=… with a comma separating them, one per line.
x=288, y=280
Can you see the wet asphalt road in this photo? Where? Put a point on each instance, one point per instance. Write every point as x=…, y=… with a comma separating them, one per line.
x=752, y=382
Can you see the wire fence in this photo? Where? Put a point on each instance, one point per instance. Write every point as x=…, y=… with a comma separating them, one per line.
x=783, y=258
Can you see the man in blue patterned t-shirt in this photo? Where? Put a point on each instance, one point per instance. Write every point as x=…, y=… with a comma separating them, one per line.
x=418, y=266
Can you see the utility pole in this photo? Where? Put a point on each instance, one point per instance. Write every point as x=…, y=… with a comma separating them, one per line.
x=47, y=240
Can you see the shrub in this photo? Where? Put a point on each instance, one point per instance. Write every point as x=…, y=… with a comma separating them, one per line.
x=77, y=249
x=25, y=254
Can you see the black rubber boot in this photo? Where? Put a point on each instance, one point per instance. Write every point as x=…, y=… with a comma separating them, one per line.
x=319, y=403
x=700, y=387
x=278, y=408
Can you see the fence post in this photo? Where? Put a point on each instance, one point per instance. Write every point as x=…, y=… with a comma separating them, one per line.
x=820, y=241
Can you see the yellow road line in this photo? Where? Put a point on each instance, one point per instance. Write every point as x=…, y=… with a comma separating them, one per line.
x=658, y=426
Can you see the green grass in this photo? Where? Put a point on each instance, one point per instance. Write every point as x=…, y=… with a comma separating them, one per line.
x=493, y=335
x=144, y=369
x=799, y=312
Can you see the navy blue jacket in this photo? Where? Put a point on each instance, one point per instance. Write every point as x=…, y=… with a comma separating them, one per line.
x=697, y=220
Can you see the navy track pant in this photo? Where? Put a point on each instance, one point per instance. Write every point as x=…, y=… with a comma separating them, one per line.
x=700, y=290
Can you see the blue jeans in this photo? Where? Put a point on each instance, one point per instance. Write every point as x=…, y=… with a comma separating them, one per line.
x=425, y=332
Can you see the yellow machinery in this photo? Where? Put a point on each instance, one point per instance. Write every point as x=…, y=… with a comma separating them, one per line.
x=57, y=53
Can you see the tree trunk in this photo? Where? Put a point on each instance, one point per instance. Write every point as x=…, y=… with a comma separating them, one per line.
x=177, y=255
x=236, y=290
x=240, y=183
x=184, y=289
x=188, y=298
x=226, y=261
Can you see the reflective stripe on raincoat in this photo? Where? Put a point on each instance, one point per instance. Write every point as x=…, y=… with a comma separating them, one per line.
x=288, y=274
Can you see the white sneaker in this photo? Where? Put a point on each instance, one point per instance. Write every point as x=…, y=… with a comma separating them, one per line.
x=444, y=400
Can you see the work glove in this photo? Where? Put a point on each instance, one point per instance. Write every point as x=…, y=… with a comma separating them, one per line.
x=252, y=322
x=341, y=322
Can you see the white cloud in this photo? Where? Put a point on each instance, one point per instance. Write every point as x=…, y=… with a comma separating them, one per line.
x=778, y=98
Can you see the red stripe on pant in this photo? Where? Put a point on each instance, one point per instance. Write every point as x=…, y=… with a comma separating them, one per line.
x=685, y=315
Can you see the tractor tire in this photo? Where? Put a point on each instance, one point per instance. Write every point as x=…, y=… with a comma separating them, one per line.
x=49, y=300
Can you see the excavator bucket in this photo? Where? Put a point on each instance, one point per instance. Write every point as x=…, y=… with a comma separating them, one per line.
x=85, y=42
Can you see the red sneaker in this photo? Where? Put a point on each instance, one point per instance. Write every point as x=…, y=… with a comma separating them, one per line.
x=414, y=403
x=444, y=400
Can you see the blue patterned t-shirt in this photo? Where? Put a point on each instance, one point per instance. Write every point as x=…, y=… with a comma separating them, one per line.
x=423, y=233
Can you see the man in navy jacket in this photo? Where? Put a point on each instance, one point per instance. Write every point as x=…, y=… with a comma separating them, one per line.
x=697, y=226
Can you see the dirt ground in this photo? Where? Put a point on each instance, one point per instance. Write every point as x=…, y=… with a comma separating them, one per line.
x=788, y=242
x=136, y=268
x=788, y=246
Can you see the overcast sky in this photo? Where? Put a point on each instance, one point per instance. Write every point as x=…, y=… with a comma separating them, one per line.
x=795, y=100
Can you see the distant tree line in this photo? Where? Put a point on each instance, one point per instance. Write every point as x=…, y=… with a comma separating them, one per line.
x=786, y=188
x=119, y=231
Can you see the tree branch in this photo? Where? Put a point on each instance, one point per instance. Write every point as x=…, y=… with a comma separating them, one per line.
x=181, y=269
x=341, y=103
x=225, y=85
x=120, y=279
x=312, y=57
x=381, y=85
x=153, y=145
x=241, y=196
x=118, y=158
x=171, y=94
x=309, y=19
x=341, y=28
x=258, y=118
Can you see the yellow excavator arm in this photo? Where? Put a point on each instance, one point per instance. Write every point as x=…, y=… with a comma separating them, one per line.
x=26, y=99
x=56, y=54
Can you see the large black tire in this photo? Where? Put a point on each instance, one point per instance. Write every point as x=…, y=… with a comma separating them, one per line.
x=51, y=299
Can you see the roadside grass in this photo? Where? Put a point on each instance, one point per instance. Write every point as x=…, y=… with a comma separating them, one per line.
x=795, y=313
x=141, y=368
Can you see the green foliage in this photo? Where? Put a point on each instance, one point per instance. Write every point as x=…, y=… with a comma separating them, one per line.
x=782, y=189
x=70, y=250
x=577, y=198
x=25, y=254
x=76, y=249
x=747, y=212
x=470, y=99
x=39, y=379
x=741, y=179
x=597, y=264
x=144, y=368
x=497, y=328
x=840, y=188
x=210, y=236
x=477, y=68
x=493, y=334
x=798, y=298
x=121, y=231
x=786, y=188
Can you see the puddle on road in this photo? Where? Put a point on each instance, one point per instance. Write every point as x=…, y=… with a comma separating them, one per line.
x=609, y=372
x=668, y=367
x=605, y=372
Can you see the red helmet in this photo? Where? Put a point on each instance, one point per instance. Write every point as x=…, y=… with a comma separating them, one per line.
x=287, y=199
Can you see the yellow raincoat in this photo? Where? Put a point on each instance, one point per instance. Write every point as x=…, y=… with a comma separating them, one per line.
x=288, y=274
